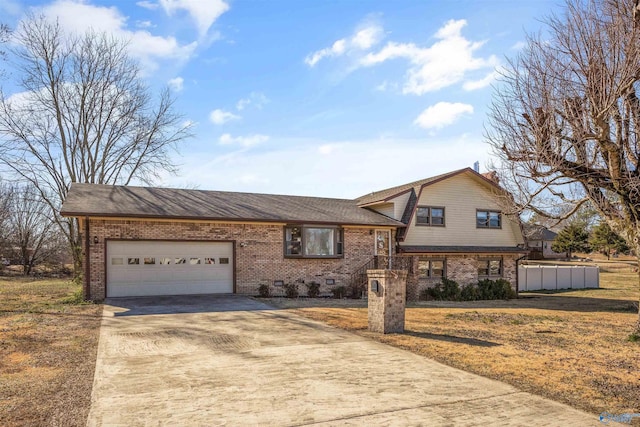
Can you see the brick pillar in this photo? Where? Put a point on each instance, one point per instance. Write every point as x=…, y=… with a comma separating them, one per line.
x=386, y=305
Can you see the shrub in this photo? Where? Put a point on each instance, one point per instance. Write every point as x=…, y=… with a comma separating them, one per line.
x=264, y=291
x=291, y=290
x=356, y=291
x=339, y=292
x=76, y=298
x=495, y=289
x=447, y=290
x=469, y=292
x=313, y=289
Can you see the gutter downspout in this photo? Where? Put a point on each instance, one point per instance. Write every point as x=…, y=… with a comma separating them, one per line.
x=87, y=258
x=518, y=273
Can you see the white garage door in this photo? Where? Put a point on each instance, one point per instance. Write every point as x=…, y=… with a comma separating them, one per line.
x=140, y=268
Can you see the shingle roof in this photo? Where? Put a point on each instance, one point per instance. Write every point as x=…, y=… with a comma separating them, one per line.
x=383, y=195
x=538, y=232
x=462, y=249
x=151, y=202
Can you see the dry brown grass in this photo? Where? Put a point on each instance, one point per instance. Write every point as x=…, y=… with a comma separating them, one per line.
x=570, y=346
x=48, y=347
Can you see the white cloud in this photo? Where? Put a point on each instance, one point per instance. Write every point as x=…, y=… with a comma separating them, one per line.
x=254, y=171
x=243, y=141
x=519, y=45
x=203, y=12
x=434, y=67
x=144, y=46
x=362, y=39
x=256, y=99
x=482, y=83
x=327, y=149
x=220, y=117
x=177, y=84
x=148, y=4
x=442, y=114
x=144, y=24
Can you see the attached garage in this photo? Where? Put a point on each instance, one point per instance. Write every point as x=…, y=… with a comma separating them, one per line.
x=151, y=267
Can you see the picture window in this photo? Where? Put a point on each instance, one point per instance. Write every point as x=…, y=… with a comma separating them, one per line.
x=313, y=242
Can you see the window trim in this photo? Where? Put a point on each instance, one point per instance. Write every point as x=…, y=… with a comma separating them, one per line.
x=489, y=212
x=430, y=270
x=338, y=241
x=430, y=223
x=489, y=275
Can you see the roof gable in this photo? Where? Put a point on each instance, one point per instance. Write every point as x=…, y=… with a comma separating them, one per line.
x=416, y=186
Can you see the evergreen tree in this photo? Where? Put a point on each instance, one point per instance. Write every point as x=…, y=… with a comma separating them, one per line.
x=604, y=239
x=572, y=238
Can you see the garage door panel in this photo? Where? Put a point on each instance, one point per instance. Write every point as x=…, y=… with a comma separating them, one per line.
x=145, y=268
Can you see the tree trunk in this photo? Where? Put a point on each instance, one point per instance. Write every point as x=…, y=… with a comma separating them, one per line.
x=636, y=329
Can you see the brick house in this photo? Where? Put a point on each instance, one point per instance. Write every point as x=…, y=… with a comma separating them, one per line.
x=156, y=241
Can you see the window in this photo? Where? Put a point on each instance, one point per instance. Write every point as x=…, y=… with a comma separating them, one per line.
x=490, y=267
x=117, y=261
x=488, y=219
x=313, y=242
x=209, y=260
x=133, y=261
x=431, y=268
x=428, y=215
x=224, y=260
x=181, y=261
x=149, y=261
x=194, y=261
x=165, y=261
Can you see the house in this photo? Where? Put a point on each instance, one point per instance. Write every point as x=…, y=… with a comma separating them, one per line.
x=454, y=228
x=157, y=241
x=539, y=240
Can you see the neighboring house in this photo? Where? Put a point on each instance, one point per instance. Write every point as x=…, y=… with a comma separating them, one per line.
x=454, y=228
x=539, y=240
x=158, y=241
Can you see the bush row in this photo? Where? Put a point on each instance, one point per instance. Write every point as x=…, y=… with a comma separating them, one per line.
x=291, y=290
x=449, y=290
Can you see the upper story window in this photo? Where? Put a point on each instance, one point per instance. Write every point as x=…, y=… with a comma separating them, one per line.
x=430, y=215
x=308, y=241
x=488, y=219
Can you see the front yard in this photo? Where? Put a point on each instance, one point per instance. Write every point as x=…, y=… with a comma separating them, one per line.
x=570, y=346
x=48, y=346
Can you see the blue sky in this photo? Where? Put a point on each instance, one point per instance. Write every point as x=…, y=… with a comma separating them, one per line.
x=322, y=98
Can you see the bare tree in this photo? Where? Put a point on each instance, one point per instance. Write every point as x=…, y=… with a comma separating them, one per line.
x=33, y=232
x=565, y=120
x=4, y=37
x=5, y=209
x=84, y=115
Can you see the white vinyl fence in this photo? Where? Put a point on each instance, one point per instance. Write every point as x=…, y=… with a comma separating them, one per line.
x=552, y=277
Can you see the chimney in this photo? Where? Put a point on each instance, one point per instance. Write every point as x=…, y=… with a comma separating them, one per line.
x=476, y=167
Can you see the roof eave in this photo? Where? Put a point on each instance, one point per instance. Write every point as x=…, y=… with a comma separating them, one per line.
x=72, y=214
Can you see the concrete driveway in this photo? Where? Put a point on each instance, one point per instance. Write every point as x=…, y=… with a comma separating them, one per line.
x=202, y=361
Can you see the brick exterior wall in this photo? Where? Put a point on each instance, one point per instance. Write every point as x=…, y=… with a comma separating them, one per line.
x=461, y=268
x=259, y=260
